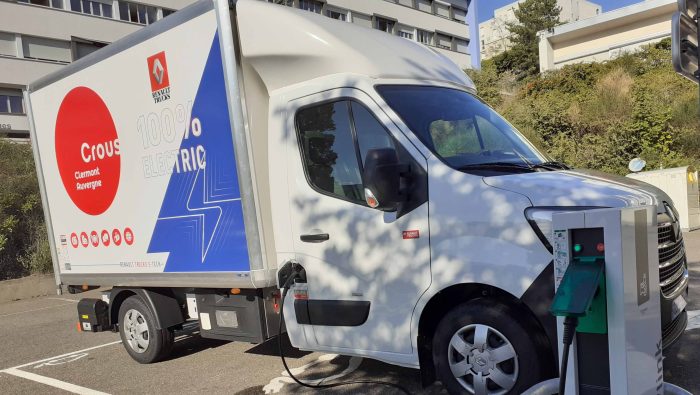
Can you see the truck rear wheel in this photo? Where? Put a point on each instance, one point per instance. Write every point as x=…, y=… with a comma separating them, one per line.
x=481, y=347
x=137, y=328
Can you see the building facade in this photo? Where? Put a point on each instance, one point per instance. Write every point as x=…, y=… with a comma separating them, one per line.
x=440, y=24
x=38, y=37
x=606, y=36
x=494, y=35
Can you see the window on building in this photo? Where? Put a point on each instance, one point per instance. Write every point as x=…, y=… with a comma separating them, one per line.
x=82, y=48
x=46, y=49
x=289, y=3
x=384, y=25
x=8, y=47
x=361, y=20
x=405, y=31
x=443, y=41
x=311, y=5
x=167, y=12
x=11, y=102
x=459, y=15
x=98, y=8
x=407, y=3
x=442, y=10
x=425, y=5
x=461, y=45
x=337, y=14
x=425, y=37
x=45, y=3
x=137, y=13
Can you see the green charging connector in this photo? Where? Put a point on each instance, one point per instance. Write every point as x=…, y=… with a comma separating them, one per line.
x=578, y=288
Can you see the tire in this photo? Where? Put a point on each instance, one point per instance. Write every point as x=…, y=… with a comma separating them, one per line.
x=498, y=355
x=137, y=328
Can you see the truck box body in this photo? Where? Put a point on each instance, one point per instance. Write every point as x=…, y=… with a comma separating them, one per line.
x=146, y=174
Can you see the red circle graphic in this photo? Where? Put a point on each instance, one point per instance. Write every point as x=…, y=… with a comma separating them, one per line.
x=94, y=239
x=104, y=237
x=87, y=150
x=74, y=240
x=128, y=236
x=84, y=239
x=116, y=237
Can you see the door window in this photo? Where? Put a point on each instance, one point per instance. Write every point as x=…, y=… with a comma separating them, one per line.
x=370, y=133
x=328, y=150
x=332, y=159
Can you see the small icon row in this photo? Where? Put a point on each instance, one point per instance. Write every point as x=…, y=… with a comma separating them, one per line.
x=104, y=238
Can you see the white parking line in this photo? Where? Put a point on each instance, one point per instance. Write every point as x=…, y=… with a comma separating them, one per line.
x=76, y=389
x=62, y=355
x=54, y=382
x=29, y=311
x=693, y=320
x=66, y=299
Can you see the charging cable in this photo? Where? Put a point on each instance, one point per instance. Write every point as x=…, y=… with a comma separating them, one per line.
x=295, y=273
x=570, y=324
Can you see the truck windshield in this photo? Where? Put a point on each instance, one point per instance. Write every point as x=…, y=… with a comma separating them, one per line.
x=461, y=129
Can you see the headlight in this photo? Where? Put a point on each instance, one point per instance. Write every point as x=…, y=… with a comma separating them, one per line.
x=540, y=218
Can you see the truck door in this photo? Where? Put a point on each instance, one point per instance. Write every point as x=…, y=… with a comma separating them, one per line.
x=365, y=268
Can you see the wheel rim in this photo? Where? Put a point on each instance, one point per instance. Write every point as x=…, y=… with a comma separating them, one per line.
x=136, y=331
x=483, y=360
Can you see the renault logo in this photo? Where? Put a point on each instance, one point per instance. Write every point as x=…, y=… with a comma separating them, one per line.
x=158, y=71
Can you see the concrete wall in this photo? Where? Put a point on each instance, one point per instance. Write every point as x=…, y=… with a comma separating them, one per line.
x=27, y=287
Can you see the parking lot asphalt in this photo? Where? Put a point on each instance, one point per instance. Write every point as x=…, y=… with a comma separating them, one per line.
x=42, y=352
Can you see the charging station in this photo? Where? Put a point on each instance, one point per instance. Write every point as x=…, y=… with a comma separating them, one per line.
x=607, y=304
x=617, y=345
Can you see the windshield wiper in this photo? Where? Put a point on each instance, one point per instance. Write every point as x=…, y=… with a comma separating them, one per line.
x=552, y=165
x=496, y=166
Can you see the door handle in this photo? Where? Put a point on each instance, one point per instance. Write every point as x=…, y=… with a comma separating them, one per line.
x=315, y=238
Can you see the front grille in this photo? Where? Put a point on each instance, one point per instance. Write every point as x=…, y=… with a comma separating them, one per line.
x=672, y=263
x=665, y=233
x=674, y=330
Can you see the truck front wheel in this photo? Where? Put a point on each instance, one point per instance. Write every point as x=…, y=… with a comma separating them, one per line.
x=137, y=328
x=480, y=347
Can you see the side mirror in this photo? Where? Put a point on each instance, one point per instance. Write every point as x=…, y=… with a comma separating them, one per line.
x=382, y=179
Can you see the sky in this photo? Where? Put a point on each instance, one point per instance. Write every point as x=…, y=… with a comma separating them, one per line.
x=485, y=7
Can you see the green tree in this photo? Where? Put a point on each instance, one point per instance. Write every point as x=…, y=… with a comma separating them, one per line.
x=533, y=16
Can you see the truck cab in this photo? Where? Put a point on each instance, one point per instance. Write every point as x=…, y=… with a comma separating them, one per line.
x=421, y=217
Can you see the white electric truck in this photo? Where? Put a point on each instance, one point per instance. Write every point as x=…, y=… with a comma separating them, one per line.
x=192, y=162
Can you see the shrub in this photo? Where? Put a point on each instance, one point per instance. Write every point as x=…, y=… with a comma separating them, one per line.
x=601, y=115
x=23, y=239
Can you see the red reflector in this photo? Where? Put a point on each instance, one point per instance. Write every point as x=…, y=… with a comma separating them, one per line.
x=301, y=294
x=600, y=247
x=410, y=234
